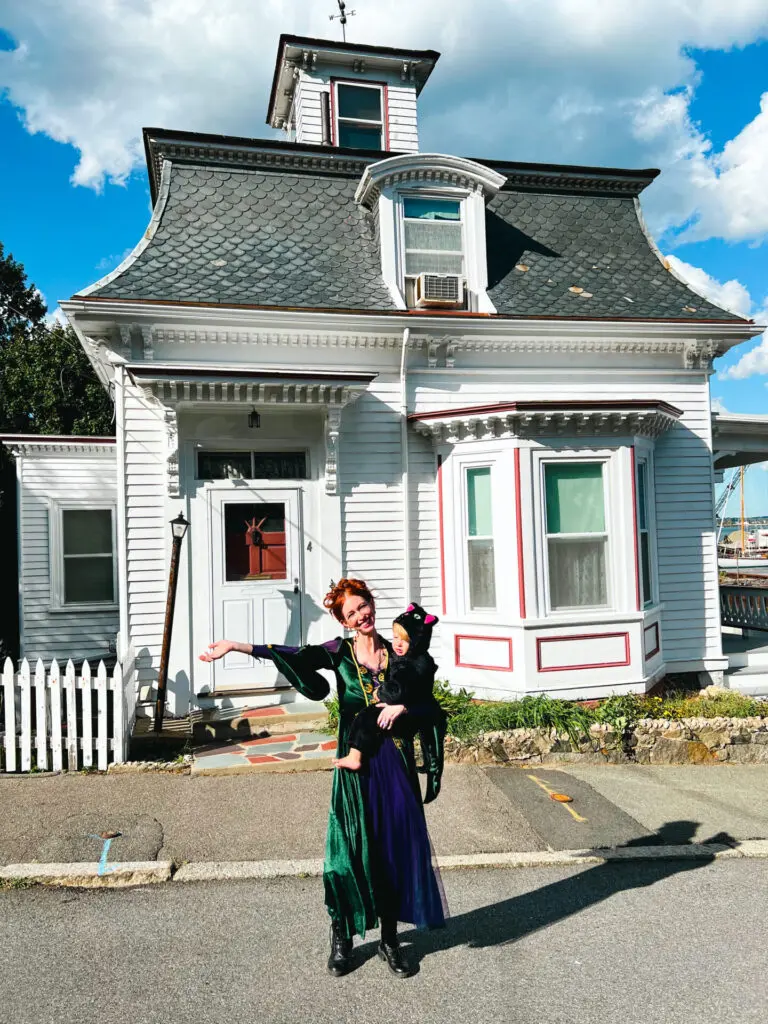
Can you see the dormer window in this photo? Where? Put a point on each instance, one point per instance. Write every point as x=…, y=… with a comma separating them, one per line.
x=432, y=243
x=431, y=221
x=359, y=116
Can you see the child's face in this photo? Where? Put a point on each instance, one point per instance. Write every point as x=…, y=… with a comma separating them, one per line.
x=400, y=640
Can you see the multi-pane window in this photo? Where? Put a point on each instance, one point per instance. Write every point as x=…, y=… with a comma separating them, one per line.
x=576, y=534
x=87, y=561
x=359, y=116
x=433, y=236
x=643, y=534
x=251, y=465
x=479, y=539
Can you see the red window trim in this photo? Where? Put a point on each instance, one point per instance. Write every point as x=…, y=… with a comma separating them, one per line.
x=635, y=525
x=486, y=668
x=581, y=636
x=384, y=102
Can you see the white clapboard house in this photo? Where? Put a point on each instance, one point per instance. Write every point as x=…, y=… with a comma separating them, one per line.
x=475, y=383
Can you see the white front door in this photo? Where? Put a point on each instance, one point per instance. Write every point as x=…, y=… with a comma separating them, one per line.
x=256, y=577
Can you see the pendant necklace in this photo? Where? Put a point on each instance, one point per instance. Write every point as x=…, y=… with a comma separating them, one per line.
x=377, y=654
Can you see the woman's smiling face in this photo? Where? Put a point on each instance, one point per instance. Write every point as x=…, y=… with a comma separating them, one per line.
x=359, y=614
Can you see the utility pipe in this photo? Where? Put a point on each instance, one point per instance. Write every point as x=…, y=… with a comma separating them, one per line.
x=404, y=466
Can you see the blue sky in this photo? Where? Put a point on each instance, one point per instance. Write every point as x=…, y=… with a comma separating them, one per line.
x=647, y=84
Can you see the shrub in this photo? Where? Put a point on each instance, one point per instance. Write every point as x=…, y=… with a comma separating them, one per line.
x=539, y=712
x=452, y=703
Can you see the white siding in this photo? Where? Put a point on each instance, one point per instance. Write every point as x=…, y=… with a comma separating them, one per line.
x=687, y=560
x=147, y=529
x=403, y=119
x=47, y=478
x=402, y=112
x=370, y=474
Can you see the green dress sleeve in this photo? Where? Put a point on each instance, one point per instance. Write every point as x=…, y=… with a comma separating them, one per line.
x=300, y=665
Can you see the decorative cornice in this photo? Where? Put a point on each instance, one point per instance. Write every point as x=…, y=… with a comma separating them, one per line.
x=562, y=180
x=546, y=419
x=274, y=339
x=257, y=157
x=252, y=393
x=170, y=414
x=30, y=444
x=427, y=169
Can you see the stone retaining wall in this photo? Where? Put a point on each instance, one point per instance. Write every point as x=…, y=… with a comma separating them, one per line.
x=650, y=741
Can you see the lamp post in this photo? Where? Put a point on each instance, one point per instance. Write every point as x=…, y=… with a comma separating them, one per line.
x=179, y=527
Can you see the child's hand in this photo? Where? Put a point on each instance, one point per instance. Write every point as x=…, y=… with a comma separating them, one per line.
x=389, y=714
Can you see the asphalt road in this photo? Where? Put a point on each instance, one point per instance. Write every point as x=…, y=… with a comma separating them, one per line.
x=644, y=942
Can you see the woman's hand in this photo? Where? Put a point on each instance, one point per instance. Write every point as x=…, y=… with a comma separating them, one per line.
x=222, y=648
x=390, y=713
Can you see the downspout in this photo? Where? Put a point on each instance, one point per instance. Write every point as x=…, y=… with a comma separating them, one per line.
x=404, y=466
x=122, y=532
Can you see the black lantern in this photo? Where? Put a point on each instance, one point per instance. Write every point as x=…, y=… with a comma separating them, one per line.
x=254, y=420
x=179, y=526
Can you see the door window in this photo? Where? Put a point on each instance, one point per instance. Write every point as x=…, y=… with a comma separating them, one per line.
x=254, y=541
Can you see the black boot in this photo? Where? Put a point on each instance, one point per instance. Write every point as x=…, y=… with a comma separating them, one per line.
x=391, y=951
x=340, y=960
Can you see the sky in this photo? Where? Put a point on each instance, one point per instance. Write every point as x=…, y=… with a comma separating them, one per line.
x=634, y=83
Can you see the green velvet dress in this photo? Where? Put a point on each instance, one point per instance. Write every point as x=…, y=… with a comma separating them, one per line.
x=377, y=852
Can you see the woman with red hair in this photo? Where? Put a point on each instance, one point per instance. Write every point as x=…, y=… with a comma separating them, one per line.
x=378, y=858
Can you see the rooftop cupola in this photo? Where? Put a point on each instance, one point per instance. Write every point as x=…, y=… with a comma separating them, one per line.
x=346, y=94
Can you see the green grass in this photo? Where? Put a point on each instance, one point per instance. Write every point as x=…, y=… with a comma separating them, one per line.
x=529, y=713
x=467, y=718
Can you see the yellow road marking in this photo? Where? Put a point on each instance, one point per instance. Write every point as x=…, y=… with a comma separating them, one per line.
x=542, y=785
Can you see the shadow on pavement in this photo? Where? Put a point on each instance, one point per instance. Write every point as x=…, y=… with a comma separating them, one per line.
x=509, y=920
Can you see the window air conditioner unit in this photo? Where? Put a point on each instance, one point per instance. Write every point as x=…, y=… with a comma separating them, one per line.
x=446, y=290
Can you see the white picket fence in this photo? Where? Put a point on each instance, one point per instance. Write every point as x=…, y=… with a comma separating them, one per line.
x=52, y=717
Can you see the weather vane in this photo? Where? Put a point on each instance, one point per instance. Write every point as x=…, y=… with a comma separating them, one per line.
x=342, y=18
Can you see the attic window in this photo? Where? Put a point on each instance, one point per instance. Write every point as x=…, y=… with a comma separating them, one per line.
x=359, y=116
x=432, y=236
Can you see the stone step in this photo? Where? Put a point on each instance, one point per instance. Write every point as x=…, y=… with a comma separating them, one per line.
x=290, y=752
x=752, y=680
x=234, y=724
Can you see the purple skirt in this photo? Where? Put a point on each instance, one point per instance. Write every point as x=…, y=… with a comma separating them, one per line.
x=405, y=875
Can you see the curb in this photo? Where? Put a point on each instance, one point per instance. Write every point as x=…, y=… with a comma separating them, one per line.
x=91, y=874
x=94, y=875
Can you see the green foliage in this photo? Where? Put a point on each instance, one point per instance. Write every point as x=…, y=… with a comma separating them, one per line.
x=452, y=703
x=539, y=712
x=332, y=704
x=47, y=385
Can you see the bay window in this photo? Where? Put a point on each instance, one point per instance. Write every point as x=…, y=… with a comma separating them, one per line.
x=576, y=535
x=643, y=533
x=479, y=538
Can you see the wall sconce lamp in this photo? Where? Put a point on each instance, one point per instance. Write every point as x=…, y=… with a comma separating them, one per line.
x=254, y=420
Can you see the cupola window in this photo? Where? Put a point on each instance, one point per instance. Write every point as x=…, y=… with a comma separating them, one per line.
x=359, y=116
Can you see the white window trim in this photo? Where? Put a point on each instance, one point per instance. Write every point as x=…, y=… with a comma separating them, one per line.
x=392, y=234
x=382, y=124
x=455, y=465
x=644, y=454
x=56, y=555
x=466, y=539
x=620, y=593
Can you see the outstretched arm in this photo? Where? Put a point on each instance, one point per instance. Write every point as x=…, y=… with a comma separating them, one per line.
x=299, y=665
x=221, y=648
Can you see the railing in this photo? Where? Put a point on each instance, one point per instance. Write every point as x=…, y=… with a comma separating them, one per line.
x=744, y=606
x=49, y=717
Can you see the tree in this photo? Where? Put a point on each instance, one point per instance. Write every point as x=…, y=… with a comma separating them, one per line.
x=47, y=386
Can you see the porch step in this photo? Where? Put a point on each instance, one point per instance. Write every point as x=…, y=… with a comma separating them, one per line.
x=752, y=681
x=291, y=752
x=238, y=723
x=746, y=651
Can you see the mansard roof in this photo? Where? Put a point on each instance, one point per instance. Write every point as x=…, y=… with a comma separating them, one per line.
x=261, y=223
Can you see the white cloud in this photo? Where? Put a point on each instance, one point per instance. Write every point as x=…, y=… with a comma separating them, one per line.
x=717, y=405
x=734, y=296
x=557, y=80
x=731, y=295
x=756, y=360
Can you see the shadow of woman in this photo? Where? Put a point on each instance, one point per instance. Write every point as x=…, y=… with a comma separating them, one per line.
x=505, y=922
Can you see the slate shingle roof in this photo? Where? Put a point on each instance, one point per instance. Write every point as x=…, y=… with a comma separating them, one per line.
x=287, y=238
